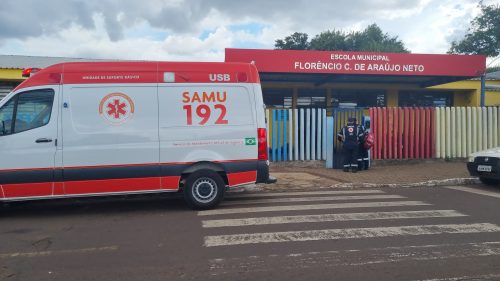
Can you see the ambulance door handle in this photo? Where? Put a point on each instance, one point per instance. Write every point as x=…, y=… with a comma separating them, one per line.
x=41, y=140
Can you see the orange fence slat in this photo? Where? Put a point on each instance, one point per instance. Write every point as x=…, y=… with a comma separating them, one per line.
x=390, y=126
x=433, y=133
x=406, y=132
x=400, y=136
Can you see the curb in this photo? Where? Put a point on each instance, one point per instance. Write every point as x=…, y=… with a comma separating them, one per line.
x=430, y=183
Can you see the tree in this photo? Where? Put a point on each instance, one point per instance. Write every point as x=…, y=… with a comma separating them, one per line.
x=492, y=69
x=329, y=41
x=371, y=39
x=483, y=37
x=296, y=41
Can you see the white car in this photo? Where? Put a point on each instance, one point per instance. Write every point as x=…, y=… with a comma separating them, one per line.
x=486, y=165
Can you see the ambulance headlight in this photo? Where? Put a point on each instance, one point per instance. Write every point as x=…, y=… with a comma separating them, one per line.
x=471, y=158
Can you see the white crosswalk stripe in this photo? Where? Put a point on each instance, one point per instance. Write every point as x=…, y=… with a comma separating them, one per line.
x=351, y=257
x=312, y=199
x=331, y=217
x=311, y=207
x=304, y=193
x=348, y=233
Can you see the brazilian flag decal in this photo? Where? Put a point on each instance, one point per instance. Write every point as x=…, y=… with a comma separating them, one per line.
x=250, y=141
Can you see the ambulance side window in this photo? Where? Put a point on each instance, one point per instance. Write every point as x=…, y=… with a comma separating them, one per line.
x=6, y=114
x=26, y=111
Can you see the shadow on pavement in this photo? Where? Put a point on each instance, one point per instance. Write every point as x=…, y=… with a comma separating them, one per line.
x=96, y=205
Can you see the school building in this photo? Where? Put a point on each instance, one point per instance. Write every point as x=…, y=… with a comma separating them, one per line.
x=325, y=79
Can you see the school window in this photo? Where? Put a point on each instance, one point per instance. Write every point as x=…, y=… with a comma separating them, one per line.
x=278, y=98
x=359, y=98
x=425, y=99
x=311, y=98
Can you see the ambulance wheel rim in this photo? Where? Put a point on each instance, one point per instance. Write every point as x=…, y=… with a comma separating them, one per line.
x=204, y=190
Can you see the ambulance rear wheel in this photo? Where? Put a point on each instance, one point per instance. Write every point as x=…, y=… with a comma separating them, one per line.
x=204, y=189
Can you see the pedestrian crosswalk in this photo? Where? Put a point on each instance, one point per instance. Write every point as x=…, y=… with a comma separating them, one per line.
x=292, y=218
x=331, y=217
x=246, y=210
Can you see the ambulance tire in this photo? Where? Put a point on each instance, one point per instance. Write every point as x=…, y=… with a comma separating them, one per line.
x=204, y=189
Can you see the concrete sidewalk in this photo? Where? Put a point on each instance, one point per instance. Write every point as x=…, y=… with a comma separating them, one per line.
x=314, y=175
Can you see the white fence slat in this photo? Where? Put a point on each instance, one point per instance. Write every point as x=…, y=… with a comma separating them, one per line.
x=319, y=138
x=443, y=133
x=448, y=132
x=469, y=131
x=484, y=112
x=495, y=127
x=474, y=131
x=464, y=131
x=453, y=135
x=313, y=134
x=479, y=129
x=302, y=132
x=307, y=129
x=460, y=132
x=437, y=133
x=498, y=124
x=490, y=127
x=290, y=134
x=323, y=116
x=296, y=134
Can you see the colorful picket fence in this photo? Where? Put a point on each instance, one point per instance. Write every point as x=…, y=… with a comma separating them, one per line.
x=400, y=132
x=296, y=134
x=421, y=133
x=461, y=131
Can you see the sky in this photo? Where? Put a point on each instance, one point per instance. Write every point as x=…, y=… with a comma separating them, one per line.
x=200, y=30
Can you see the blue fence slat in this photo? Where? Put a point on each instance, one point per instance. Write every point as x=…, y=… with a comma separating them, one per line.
x=278, y=137
x=275, y=133
x=285, y=135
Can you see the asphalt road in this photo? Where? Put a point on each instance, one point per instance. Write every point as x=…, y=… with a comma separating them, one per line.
x=388, y=234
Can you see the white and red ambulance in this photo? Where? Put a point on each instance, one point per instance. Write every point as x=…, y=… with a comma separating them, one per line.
x=105, y=128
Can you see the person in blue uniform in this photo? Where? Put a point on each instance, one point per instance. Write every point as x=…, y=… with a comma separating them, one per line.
x=350, y=136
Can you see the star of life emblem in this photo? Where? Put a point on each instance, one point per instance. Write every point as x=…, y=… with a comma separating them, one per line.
x=116, y=108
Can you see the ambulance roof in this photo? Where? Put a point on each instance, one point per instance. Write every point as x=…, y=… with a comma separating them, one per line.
x=133, y=72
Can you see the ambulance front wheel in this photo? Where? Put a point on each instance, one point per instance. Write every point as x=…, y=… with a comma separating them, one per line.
x=204, y=189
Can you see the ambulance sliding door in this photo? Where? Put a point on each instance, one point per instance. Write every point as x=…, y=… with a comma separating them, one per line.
x=110, y=139
x=205, y=122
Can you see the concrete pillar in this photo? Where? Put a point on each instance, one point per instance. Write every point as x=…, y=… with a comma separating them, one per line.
x=295, y=97
x=392, y=98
